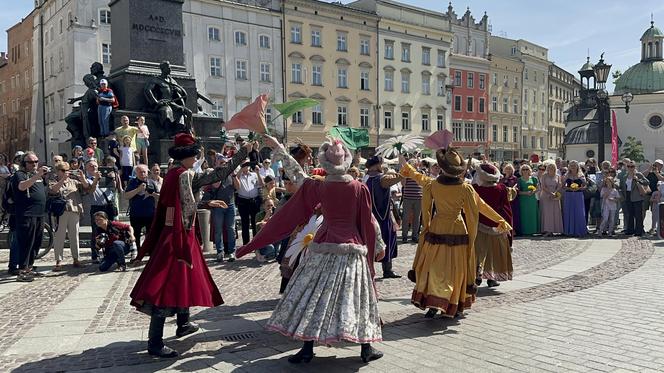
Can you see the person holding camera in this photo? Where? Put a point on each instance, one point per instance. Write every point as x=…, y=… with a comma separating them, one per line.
x=68, y=187
x=115, y=240
x=29, y=196
x=100, y=187
x=142, y=193
x=223, y=219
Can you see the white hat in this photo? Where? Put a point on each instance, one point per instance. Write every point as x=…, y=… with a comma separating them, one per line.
x=19, y=153
x=103, y=81
x=659, y=161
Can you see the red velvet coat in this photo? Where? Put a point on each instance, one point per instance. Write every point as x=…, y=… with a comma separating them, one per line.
x=498, y=198
x=176, y=274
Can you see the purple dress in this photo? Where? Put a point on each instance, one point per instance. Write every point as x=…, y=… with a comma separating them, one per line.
x=510, y=182
x=574, y=210
x=382, y=211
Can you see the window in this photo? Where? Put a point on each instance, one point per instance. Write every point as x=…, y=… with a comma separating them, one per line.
x=456, y=130
x=296, y=73
x=541, y=142
x=364, y=80
x=215, y=66
x=241, y=70
x=469, y=131
x=105, y=53
x=268, y=114
x=494, y=133
x=240, y=38
x=481, y=132
x=364, y=117
x=426, y=84
x=457, y=103
x=316, y=75
x=441, y=58
x=515, y=106
x=457, y=78
x=513, y=51
x=469, y=104
x=296, y=34
x=470, y=80
x=317, y=115
x=481, y=81
x=405, y=121
x=342, y=44
x=525, y=117
x=516, y=82
x=61, y=26
x=364, y=47
x=494, y=79
x=494, y=104
x=440, y=122
x=543, y=99
x=342, y=116
x=387, y=119
x=533, y=142
x=535, y=75
x=506, y=134
x=266, y=72
x=218, y=110
x=405, y=52
x=525, y=74
x=440, y=86
x=389, y=50
x=524, y=142
x=315, y=38
x=213, y=34
x=515, y=134
x=405, y=82
x=104, y=17
x=389, y=80
x=342, y=78
x=264, y=42
x=425, y=122
x=26, y=76
x=481, y=105
x=506, y=105
x=426, y=56
x=297, y=117
x=505, y=81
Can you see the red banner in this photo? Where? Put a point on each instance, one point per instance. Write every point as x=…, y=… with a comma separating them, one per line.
x=614, y=139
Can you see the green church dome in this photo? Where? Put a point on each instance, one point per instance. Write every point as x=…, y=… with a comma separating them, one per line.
x=644, y=77
x=652, y=32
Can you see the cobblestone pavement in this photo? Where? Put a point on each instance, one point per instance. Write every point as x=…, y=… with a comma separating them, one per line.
x=600, y=312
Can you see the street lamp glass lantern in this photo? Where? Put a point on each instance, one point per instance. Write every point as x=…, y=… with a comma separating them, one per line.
x=602, y=71
x=627, y=97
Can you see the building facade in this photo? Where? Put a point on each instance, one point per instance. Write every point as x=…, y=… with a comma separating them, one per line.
x=505, y=120
x=413, y=68
x=330, y=55
x=469, y=81
x=16, y=88
x=535, y=102
x=234, y=50
x=67, y=37
x=561, y=98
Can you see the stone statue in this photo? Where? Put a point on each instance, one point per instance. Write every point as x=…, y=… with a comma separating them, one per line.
x=169, y=100
x=82, y=121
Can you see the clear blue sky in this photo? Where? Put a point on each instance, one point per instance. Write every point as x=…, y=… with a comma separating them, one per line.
x=568, y=28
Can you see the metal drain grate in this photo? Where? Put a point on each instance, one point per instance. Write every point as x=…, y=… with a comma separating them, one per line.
x=239, y=337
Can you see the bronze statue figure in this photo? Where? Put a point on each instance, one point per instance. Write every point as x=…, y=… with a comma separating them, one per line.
x=82, y=121
x=169, y=100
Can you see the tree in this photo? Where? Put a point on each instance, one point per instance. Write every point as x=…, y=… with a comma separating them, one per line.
x=616, y=75
x=633, y=149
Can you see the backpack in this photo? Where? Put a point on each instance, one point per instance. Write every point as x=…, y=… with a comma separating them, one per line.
x=8, y=196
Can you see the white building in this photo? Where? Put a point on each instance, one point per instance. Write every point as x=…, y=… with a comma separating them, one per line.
x=234, y=51
x=413, y=68
x=68, y=37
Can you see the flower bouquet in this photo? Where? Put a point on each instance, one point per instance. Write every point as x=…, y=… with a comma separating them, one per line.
x=556, y=195
x=532, y=188
x=574, y=186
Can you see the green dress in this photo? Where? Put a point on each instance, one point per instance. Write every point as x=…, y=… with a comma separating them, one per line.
x=528, y=208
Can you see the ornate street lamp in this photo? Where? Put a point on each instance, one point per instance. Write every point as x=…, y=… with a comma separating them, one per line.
x=627, y=97
x=601, y=71
x=601, y=75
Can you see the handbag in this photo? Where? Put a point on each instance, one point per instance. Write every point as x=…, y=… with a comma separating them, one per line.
x=644, y=190
x=110, y=206
x=56, y=206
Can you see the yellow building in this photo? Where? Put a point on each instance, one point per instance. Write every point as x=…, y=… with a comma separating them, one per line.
x=505, y=82
x=330, y=55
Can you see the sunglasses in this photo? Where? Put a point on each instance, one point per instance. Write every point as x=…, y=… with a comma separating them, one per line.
x=542, y=169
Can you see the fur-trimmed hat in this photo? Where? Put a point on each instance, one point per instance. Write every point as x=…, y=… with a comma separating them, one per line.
x=487, y=174
x=451, y=161
x=184, y=146
x=334, y=157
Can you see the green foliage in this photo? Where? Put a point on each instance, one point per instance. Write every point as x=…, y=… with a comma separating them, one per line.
x=616, y=75
x=633, y=149
x=291, y=107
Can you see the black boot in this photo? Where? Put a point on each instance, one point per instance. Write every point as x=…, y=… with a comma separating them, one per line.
x=431, y=313
x=369, y=353
x=155, y=339
x=387, y=271
x=305, y=354
x=492, y=283
x=184, y=326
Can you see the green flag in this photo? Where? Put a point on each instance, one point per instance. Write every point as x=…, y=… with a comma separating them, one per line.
x=291, y=107
x=354, y=138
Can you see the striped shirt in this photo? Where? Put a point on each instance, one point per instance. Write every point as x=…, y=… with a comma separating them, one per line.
x=411, y=190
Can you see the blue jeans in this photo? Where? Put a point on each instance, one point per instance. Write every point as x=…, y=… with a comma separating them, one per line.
x=104, y=115
x=114, y=255
x=224, y=219
x=269, y=252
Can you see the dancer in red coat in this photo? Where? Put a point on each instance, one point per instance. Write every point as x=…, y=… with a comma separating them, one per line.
x=176, y=276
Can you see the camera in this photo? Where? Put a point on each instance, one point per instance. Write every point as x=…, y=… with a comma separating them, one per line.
x=101, y=240
x=149, y=187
